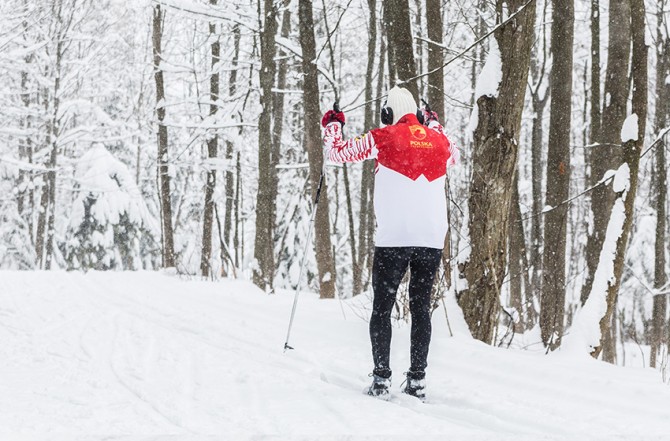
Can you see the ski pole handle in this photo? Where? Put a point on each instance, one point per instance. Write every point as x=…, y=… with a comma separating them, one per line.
x=426, y=105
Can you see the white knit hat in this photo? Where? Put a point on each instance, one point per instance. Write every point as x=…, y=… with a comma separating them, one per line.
x=401, y=102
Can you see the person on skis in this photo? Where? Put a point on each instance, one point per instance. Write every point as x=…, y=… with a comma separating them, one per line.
x=412, y=154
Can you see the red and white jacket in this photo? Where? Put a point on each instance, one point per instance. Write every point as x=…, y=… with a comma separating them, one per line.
x=410, y=172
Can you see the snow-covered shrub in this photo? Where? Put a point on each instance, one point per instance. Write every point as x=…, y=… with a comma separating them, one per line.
x=17, y=250
x=109, y=225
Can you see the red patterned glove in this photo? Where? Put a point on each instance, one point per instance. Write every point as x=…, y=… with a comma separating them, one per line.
x=332, y=116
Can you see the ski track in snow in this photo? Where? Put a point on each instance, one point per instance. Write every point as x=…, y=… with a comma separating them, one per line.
x=150, y=356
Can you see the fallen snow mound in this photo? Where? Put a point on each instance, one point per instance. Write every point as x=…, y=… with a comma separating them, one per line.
x=141, y=355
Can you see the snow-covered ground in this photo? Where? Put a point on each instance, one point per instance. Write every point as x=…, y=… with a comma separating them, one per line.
x=141, y=355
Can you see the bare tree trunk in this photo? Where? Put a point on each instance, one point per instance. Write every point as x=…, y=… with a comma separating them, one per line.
x=230, y=176
x=495, y=153
x=324, y=251
x=212, y=152
x=518, y=262
x=239, y=222
x=345, y=168
x=420, y=63
x=661, y=121
x=604, y=155
x=25, y=144
x=51, y=179
x=26, y=202
x=367, y=175
x=265, y=199
x=53, y=132
x=539, y=100
x=400, y=48
x=592, y=254
x=434, y=29
x=278, y=123
x=164, y=177
x=552, y=309
x=595, y=71
x=631, y=156
x=480, y=30
x=350, y=219
x=370, y=218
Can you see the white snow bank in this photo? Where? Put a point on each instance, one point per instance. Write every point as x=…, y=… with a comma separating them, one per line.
x=139, y=355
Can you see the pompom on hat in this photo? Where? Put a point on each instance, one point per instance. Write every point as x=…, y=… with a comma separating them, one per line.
x=401, y=102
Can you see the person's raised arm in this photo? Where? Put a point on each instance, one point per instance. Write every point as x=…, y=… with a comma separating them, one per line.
x=340, y=151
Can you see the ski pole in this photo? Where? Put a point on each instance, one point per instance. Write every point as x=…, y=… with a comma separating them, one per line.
x=302, y=265
x=304, y=254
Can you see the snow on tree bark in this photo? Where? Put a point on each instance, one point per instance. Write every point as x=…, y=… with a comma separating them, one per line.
x=604, y=154
x=494, y=165
x=602, y=299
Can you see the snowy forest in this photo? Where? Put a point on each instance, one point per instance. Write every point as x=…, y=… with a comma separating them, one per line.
x=185, y=134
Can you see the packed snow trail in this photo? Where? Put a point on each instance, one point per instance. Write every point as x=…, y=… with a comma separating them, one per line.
x=141, y=355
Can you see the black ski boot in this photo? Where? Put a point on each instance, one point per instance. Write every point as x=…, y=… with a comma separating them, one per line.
x=415, y=385
x=380, y=387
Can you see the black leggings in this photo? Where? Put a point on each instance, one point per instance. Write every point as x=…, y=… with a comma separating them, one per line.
x=388, y=269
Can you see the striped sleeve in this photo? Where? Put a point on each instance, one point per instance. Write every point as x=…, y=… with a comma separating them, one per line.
x=352, y=150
